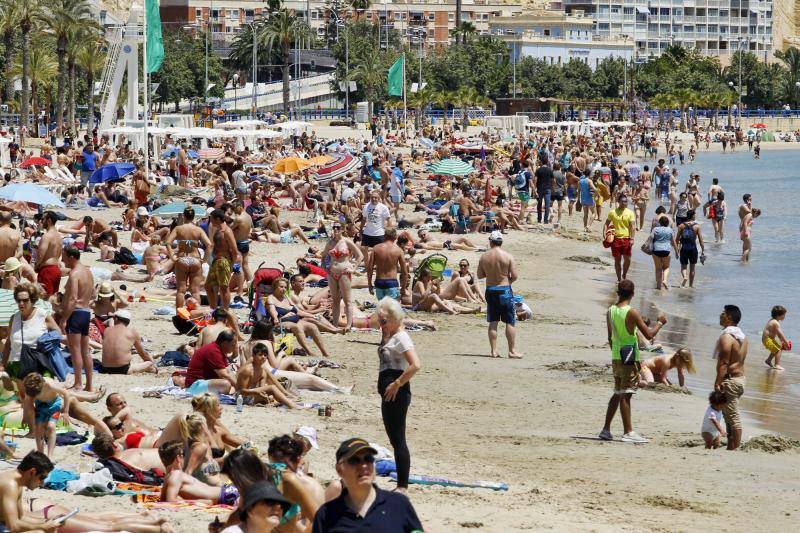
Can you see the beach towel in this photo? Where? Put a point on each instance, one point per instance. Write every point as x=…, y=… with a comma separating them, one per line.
x=190, y=505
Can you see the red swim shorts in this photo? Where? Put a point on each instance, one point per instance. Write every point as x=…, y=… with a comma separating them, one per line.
x=49, y=277
x=621, y=247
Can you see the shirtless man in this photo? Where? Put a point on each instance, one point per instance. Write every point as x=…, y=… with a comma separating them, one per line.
x=29, y=474
x=731, y=351
x=76, y=315
x=183, y=166
x=220, y=321
x=48, y=258
x=106, y=447
x=500, y=271
x=746, y=207
x=178, y=485
x=471, y=213
x=224, y=254
x=255, y=381
x=118, y=406
x=386, y=260
x=9, y=238
x=93, y=230
x=242, y=226
x=117, y=343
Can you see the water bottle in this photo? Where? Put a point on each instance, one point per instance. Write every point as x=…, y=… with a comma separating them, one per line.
x=239, y=403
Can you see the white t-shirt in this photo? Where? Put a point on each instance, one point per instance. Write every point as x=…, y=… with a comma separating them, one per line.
x=376, y=217
x=391, y=353
x=34, y=328
x=708, y=426
x=348, y=193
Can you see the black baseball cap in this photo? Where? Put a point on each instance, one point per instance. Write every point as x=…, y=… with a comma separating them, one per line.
x=262, y=491
x=350, y=447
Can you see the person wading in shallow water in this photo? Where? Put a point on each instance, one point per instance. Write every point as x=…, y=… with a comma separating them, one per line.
x=622, y=320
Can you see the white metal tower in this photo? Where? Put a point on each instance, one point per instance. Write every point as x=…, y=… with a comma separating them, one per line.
x=123, y=56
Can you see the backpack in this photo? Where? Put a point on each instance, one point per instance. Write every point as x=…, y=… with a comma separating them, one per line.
x=125, y=257
x=520, y=180
x=125, y=473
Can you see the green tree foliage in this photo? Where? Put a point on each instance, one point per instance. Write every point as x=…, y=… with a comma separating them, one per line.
x=182, y=74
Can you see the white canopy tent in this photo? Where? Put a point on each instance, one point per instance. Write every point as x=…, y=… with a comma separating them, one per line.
x=291, y=127
x=5, y=156
x=242, y=124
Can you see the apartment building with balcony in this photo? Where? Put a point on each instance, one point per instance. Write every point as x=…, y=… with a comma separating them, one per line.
x=557, y=38
x=714, y=27
x=429, y=21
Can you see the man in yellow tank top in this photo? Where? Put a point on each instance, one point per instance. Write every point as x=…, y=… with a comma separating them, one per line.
x=622, y=321
x=624, y=223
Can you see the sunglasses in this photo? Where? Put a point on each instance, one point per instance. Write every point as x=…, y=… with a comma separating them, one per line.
x=365, y=459
x=22, y=300
x=337, y=228
x=118, y=427
x=463, y=265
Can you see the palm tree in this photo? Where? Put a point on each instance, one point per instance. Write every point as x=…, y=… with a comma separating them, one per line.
x=466, y=97
x=43, y=68
x=91, y=59
x=420, y=100
x=458, y=13
x=80, y=36
x=371, y=73
x=664, y=103
x=29, y=14
x=444, y=99
x=9, y=23
x=465, y=30
x=61, y=20
x=360, y=6
x=684, y=98
x=284, y=28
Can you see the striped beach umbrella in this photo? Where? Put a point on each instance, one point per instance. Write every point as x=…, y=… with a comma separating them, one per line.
x=339, y=167
x=211, y=153
x=7, y=306
x=451, y=167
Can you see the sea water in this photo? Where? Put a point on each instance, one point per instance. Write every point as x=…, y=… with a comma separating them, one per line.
x=772, y=399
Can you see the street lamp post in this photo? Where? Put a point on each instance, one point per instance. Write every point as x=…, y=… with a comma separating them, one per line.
x=235, y=90
x=797, y=90
x=208, y=31
x=254, y=104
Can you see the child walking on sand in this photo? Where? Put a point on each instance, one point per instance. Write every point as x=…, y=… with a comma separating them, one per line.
x=773, y=338
x=711, y=429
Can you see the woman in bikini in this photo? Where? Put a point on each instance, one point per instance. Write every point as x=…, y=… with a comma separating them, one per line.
x=746, y=232
x=220, y=436
x=155, y=258
x=199, y=455
x=345, y=257
x=463, y=272
x=427, y=296
x=655, y=369
x=284, y=313
x=187, y=264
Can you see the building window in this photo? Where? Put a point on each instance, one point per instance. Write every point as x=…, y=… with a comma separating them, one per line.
x=451, y=17
x=215, y=14
x=233, y=14
x=431, y=17
x=198, y=13
x=546, y=32
x=248, y=15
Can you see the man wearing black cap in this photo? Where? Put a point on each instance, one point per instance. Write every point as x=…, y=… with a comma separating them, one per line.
x=362, y=506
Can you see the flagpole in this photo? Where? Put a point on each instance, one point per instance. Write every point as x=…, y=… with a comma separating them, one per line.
x=405, y=109
x=146, y=94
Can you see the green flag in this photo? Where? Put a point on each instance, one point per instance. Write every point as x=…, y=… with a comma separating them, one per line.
x=155, y=44
x=396, y=78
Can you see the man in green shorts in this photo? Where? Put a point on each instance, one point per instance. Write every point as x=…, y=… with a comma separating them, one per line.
x=622, y=321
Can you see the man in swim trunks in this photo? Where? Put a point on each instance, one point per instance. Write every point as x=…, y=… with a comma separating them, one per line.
x=500, y=271
x=118, y=406
x=178, y=485
x=48, y=258
x=224, y=253
x=731, y=351
x=183, y=166
x=386, y=260
x=624, y=223
x=29, y=474
x=76, y=315
x=118, y=341
x=242, y=227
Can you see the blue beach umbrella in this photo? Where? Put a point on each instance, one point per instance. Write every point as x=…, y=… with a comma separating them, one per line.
x=175, y=209
x=30, y=193
x=111, y=172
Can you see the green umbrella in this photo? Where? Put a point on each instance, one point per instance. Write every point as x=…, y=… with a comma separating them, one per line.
x=452, y=167
x=768, y=136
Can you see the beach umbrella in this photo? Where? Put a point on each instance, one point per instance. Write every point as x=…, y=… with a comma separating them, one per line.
x=30, y=193
x=211, y=153
x=339, y=167
x=175, y=209
x=321, y=160
x=111, y=172
x=290, y=165
x=451, y=167
x=35, y=161
x=8, y=306
x=426, y=143
x=174, y=151
x=760, y=126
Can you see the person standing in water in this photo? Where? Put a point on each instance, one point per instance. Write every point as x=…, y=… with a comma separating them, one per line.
x=731, y=352
x=500, y=271
x=746, y=233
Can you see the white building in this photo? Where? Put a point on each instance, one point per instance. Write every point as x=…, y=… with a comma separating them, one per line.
x=558, y=38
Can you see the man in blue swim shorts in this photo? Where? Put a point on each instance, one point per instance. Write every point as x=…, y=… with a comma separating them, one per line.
x=386, y=261
x=75, y=310
x=500, y=271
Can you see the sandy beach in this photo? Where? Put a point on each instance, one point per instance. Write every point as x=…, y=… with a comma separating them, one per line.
x=477, y=418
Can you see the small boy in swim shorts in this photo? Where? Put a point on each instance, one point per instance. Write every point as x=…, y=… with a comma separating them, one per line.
x=773, y=338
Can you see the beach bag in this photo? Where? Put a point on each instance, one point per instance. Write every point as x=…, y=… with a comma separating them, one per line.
x=608, y=236
x=32, y=359
x=125, y=257
x=578, y=205
x=519, y=181
x=647, y=247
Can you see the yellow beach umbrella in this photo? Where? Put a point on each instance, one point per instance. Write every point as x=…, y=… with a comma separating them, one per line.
x=290, y=165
